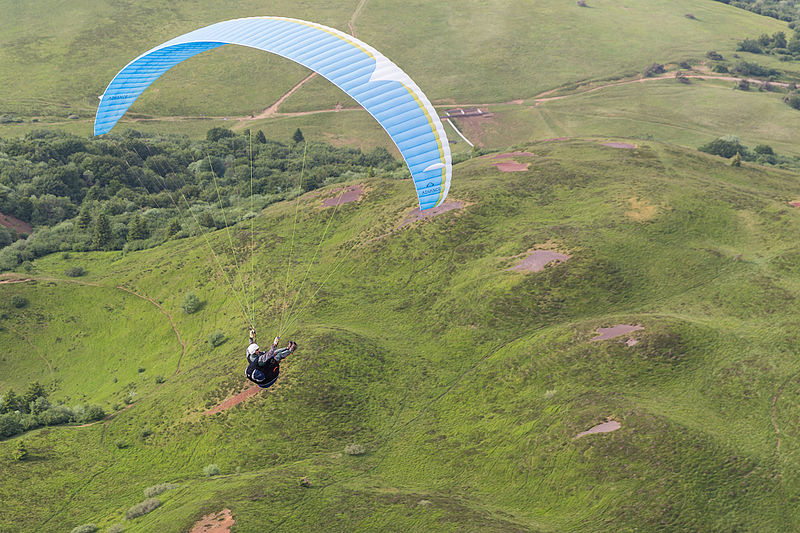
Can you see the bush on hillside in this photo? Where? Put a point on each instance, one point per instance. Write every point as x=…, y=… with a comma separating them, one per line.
x=727, y=146
x=155, y=490
x=19, y=301
x=793, y=100
x=191, y=303
x=211, y=470
x=57, y=414
x=653, y=70
x=85, y=528
x=141, y=509
x=116, y=528
x=354, y=449
x=75, y=272
x=216, y=338
x=714, y=55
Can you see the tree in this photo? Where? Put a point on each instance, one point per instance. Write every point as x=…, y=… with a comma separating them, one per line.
x=101, y=237
x=191, y=303
x=737, y=160
x=34, y=392
x=137, y=229
x=779, y=39
x=261, y=138
x=85, y=218
x=727, y=146
x=297, y=136
x=215, y=134
x=749, y=45
x=21, y=452
x=174, y=227
x=207, y=219
x=11, y=402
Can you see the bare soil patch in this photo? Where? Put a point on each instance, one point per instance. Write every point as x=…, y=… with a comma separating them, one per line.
x=416, y=214
x=605, y=427
x=613, y=332
x=221, y=522
x=538, y=259
x=352, y=193
x=512, y=166
x=16, y=224
x=234, y=400
x=795, y=204
x=641, y=210
x=14, y=280
x=624, y=146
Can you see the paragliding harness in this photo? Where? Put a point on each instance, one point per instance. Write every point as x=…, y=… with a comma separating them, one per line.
x=264, y=375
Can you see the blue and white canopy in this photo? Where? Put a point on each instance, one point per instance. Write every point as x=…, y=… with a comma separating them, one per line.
x=362, y=72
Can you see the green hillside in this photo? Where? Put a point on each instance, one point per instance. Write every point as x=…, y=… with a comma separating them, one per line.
x=465, y=383
x=474, y=53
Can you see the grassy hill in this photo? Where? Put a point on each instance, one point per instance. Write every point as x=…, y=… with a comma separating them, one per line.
x=460, y=54
x=465, y=383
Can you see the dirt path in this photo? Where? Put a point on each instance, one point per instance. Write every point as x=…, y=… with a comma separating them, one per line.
x=234, y=400
x=273, y=109
x=110, y=417
x=357, y=13
x=35, y=349
x=171, y=322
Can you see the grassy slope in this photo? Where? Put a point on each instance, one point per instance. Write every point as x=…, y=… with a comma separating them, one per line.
x=466, y=383
x=519, y=51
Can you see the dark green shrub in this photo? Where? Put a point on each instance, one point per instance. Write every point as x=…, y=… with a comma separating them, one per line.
x=727, y=147
x=19, y=301
x=191, y=303
x=57, y=414
x=216, y=338
x=653, y=70
x=20, y=453
x=75, y=272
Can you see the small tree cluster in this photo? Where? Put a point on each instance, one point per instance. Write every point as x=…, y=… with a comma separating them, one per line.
x=653, y=70
x=33, y=409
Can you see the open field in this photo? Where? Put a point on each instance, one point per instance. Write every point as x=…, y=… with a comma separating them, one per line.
x=466, y=383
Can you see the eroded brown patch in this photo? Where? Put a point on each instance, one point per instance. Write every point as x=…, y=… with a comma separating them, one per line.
x=641, y=210
x=16, y=224
x=537, y=260
x=352, y=193
x=220, y=522
x=512, y=166
x=623, y=146
x=605, y=427
x=604, y=334
x=416, y=214
x=234, y=400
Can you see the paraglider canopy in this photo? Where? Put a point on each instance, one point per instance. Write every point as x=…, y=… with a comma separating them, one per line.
x=362, y=72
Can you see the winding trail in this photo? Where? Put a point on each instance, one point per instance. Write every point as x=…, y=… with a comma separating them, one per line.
x=171, y=322
x=35, y=349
